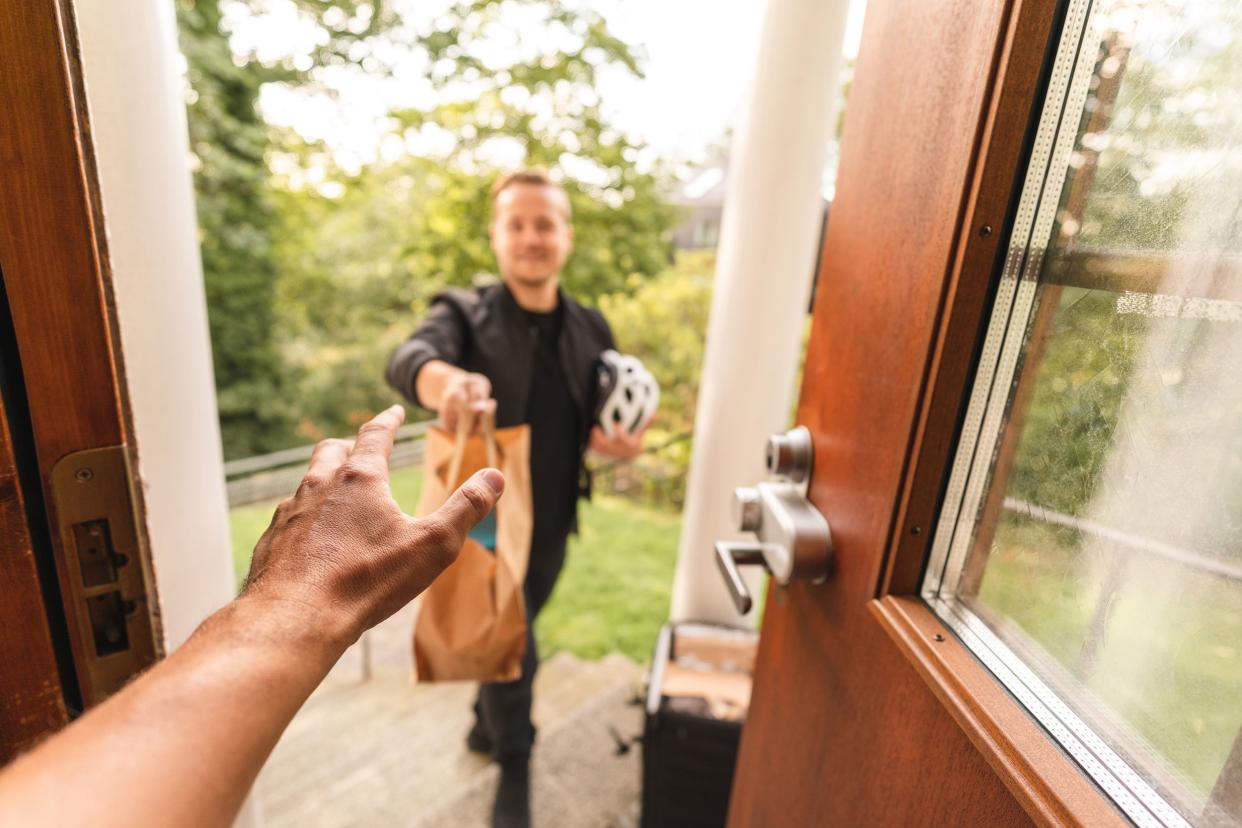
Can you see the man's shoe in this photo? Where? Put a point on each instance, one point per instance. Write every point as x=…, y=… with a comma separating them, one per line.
x=478, y=740
x=512, y=808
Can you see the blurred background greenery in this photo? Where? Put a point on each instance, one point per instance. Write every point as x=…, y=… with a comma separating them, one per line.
x=316, y=266
x=314, y=272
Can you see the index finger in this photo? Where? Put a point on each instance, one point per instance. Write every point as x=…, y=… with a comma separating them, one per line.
x=374, y=444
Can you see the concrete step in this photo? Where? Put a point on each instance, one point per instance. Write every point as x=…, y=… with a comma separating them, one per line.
x=578, y=778
x=385, y=751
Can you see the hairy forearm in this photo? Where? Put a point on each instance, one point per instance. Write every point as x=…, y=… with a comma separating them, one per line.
x=183, y=744
x=432, y=379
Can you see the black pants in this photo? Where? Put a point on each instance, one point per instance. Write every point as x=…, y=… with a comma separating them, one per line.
x=503, y=708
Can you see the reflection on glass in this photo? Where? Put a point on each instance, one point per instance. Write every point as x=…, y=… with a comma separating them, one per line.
x=1109, y=547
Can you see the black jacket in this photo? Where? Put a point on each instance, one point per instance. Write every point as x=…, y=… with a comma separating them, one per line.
x=485, y=332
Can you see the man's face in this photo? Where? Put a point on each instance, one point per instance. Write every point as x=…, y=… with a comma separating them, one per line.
x=531, y=233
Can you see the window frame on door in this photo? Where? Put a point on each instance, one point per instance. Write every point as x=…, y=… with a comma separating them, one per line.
x=988, y=308
x=1038, y=772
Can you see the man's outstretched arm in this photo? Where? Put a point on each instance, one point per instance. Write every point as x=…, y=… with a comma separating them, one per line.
x=182, y=744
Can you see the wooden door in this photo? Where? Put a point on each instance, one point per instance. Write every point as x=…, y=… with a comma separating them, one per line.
x=73, y=556
x=32, y=701
x=867, y=710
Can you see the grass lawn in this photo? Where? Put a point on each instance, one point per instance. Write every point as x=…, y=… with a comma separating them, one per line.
x=612, y=596
x=614, y=592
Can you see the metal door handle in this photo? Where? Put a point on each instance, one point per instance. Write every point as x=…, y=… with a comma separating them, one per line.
x=729, y=556
x=794, y=539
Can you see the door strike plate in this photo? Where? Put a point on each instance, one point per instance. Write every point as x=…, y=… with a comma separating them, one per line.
x=103, y=568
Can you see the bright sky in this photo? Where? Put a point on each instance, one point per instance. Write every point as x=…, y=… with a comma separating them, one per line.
x=699, y=60
x=699, y=68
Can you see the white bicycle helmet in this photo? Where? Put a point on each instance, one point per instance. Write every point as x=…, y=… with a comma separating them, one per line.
x=627, y=395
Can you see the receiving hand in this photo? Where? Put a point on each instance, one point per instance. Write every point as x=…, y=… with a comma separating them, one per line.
x=341, y=546
x=622, y=446
x=465, y=392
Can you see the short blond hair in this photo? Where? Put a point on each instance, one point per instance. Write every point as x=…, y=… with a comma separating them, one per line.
x=532, y=175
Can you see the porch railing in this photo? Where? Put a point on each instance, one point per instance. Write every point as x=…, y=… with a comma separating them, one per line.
x=268, y=476
x=275, y=475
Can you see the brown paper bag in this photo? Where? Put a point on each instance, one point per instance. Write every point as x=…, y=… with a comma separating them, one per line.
x=471, y=621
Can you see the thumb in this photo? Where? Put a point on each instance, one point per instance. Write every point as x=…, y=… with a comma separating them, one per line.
x=472, y=500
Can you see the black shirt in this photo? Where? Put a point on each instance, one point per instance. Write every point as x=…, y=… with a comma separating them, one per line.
x=553, y=420
x=485, y=331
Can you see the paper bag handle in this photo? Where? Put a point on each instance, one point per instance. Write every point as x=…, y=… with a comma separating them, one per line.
x=466, y=420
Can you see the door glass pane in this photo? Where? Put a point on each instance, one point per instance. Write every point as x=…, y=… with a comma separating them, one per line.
x=1106, y=549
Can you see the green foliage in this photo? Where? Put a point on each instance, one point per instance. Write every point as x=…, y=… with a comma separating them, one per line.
x=357, y=272
x=540, y=108
x=236, y=225
x=1164, y=178
x=349, y=289
x=1083, y=379
x=663, y=321
x=315, y=273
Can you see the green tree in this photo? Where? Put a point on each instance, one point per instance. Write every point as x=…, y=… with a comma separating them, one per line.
x=663, y=321
x=350, y=286
x=315, y=273
x=1162, y=180
x=361, y=254
x=236, y=223
x=540, y=106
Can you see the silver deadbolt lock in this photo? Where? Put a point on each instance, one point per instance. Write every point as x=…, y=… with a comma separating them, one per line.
x=793, y=539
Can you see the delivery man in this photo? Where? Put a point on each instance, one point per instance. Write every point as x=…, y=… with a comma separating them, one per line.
x=526, y=351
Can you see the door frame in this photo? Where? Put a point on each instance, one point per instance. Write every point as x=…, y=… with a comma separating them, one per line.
x=54, y=260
